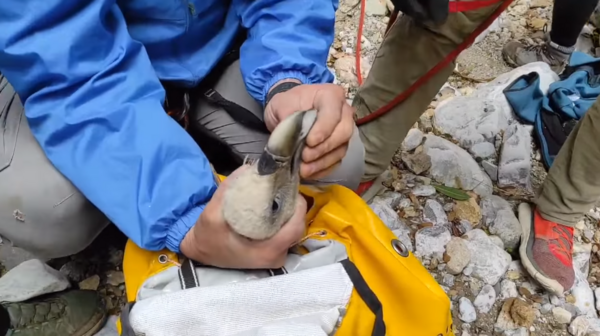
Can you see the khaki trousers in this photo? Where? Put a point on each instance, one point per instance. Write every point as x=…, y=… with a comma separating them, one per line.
x=411, y=49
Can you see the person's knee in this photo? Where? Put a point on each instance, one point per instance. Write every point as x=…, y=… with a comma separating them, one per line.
x=40, y=210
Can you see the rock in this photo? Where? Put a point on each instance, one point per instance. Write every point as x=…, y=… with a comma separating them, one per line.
x=90, y=283
x=344, y=67
x=584, y=296
x=387, y=215
x=471, y=120
x=376, y=7
x=458, y=254
x=417, y=163
x=432, y=240
x=468, y=270
x=424, y=191
x=483, y=150
x=508, y=289
x=115, y=278
x=485, y=300
x=537, y=23
x=546, y=308
x=514, y=168
x=454, y=167
x=434, y=212
x=488, y=260
x=540, y=3
x=476, y=235
x=468, y=210
x=448, y=280
x=501, y=221
x=413, y=139
x=497, y=241
x=518, y=332
x=522, y=313
x=561, y=315
x=466, y=310
x=579, y=326
x=491, y=169
x=30, y=279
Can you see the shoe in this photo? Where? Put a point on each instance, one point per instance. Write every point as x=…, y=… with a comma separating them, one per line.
x=70, y=313
x=369, y=189
x=517, y=54
x=546, y=251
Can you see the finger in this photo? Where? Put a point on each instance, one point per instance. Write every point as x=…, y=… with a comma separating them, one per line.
x=340, y=136
x=323, y=173
x=329, y=106
x=330, y=159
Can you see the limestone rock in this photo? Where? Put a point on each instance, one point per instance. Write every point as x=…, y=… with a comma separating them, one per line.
x=452, y=165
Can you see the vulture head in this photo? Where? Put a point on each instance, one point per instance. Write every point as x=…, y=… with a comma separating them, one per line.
x=263, y=197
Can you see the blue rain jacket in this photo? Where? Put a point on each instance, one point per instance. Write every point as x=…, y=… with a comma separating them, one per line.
x=88, y=73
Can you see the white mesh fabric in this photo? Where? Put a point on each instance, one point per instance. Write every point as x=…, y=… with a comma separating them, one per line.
x=306, y=303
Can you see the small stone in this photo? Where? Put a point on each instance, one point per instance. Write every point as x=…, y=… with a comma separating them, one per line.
x=468, y=270
x=413, y=139
x=486, y=299
x=538, y=23
x=458, y=256
x=468, y=210
x=540, y=3
x=417, y=163
x=424, y=191
x=561, y=315
x=90, y=283
x=448, y=280
x=466, y=310
x=434, y=212
x=579, y=326
x=115, y=278
x=522, y=313
x=580, y=225
x=491, y=169
x=508, y=289
x=448, y=207
x=432, y=240
x=483, y=150
x=570, y=299
x=546, y=308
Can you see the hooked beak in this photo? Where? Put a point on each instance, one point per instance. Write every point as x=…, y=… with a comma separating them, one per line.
x=286, y=143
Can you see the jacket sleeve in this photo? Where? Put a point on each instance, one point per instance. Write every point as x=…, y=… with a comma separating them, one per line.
x=94, y=104
x=286, y=39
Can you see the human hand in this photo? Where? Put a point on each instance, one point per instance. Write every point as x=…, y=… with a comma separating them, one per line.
x=327, y=142
x=212, y=242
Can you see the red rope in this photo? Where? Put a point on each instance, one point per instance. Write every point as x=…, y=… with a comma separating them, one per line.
x=361, y=23
x=458, y=6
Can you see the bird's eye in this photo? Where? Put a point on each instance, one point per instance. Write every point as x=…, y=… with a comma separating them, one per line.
x=275, y=206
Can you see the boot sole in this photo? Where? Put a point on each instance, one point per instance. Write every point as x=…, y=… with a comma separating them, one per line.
x=526, y=220
x=92, y=327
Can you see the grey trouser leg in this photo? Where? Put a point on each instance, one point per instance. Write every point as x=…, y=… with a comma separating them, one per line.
x=247, y=142
x=40, y=210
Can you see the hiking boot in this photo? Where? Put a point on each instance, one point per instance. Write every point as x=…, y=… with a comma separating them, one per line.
x=546, y=251
x=70, y=313
x=517, y=54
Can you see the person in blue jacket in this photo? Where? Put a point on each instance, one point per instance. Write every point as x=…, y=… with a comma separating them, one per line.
x=86, y=89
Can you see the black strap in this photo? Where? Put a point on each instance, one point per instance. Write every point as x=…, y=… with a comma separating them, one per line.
x=187, y=275
x=279, y=88
x=367, y=295
x=237, y=112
